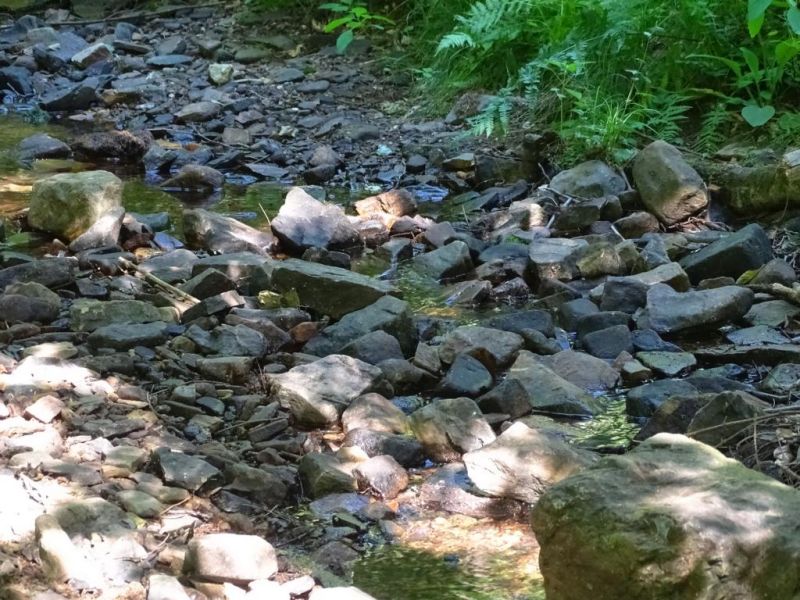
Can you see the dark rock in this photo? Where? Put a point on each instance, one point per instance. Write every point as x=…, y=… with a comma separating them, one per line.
x=747, y=249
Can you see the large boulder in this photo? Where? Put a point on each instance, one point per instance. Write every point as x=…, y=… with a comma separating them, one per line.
x=388, y=314
x=325, y=289
x=670, y=188
x=318, y=392
x=747, y=249
x=669, y=311
x=67, y=204
x=672, y=519
x=523, y=462
x=209, y=231
x=304, y=222
x=229, y=557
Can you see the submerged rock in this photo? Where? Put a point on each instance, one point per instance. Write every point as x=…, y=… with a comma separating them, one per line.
x=649, y=524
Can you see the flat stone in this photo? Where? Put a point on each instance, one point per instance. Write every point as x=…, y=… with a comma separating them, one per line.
x=229, y=557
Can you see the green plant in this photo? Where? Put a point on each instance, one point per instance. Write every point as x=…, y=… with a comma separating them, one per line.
x=355, y=16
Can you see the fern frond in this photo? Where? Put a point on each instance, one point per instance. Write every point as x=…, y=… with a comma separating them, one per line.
x=712, y=134
x=455, y=40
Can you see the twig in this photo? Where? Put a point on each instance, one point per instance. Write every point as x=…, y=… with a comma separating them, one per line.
x=150, y=278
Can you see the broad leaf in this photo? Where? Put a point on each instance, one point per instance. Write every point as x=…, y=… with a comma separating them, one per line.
x=756, y=116
x=786, y=51
x=335, y=7
x=793, y=17
x=344, y=41
x=754, y=26
x=751, y=59
x=336, y=23
x=757, y=8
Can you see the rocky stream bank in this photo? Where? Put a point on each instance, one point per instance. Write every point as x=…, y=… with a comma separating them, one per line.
x=264, y=338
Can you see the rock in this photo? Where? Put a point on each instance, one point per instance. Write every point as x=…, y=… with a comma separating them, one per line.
x=88, y=315
x=708, y=424
x=41, y=145
x=387, y=314
x=549, y=392
x=590, y=373
x=220, y=74
x=508, y=398
x=398, y=202
x=45, y=409
x=112, y=146
x=447, y=262
x=636, y=224
x=609, y=510
x=339, y=593
x=667, y=364
x=323, y=474
x=61, y=560
x=670, y=188
x=92, y=54
x=405, y=449
x=669, y=311
x=449, y=427
x=16, y=79
x=373, y=348
x=554, y=258
x=757, y=335
x=624, y=295
x=215, y=233
x=261, y=483
x=522, y=463
x=467, y=377
x=609, y=342
x=572, y=312
x=67, y=204
x=184, y=471
x=775, y=271
x=197, y=112
x=644, y=400
x=318, y=392
x=327, y=290
x=782, y=379
x=195, y=178
x=228, y=340
x=230, y=369
x=140, y=504
x=78, y=96
x=772, y=313
x=599, y=259
x=591, y=179
x=165, y=587
x=103, y=233
x=382, y=476
x=747, y=249
x=304, y=222
x=373, y=411
x=229, y=557
x=124, y=337
x=29, y=302
x=493, y=347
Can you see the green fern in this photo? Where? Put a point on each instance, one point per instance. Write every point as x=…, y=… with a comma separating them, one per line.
x=495, y=116
x=714, y=129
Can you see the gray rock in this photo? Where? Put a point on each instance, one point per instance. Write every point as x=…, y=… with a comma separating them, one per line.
x=509, y=397
x=609, y=342
x=327, y=290
x=323, y=474
x=102, y=234
x=493, y=347
x=230, y=369
x=230, y=558
x=591, y=179
x=88, y=315
x=572, y=312
x=719, y=421
x=772, y=313
x=747, y=249
x=467, y=377
x=624, y=295
x=78, y=96
x=549, y=392
x=318, y=392
x=304, y=222
x=669, y=311
x=583, y=519
x=228, y=340
x=670, y=188
x=92, y=54
x=757, y=335
x=61, y=559
x=165, y=587
x=197, y=111
x=374, y=348
x=667, y=364
x=405, y=449
x=590, y=373
x=29, y=302
x=382, y=476
x=644, y=400
x=775, y=271
x=554, y=258
x=67, y=204
x=447, y=262
x=387, y=314
x=209, y=231
x=195, y=178
x=186, y=472
x=125, y=147
x=373, y=411
x=782, y=380
x=449, y=427
x=523, y=462
x=41, y=145
x=519, y=321
x=122, y=337
x=172, y=266
x=16, y=79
